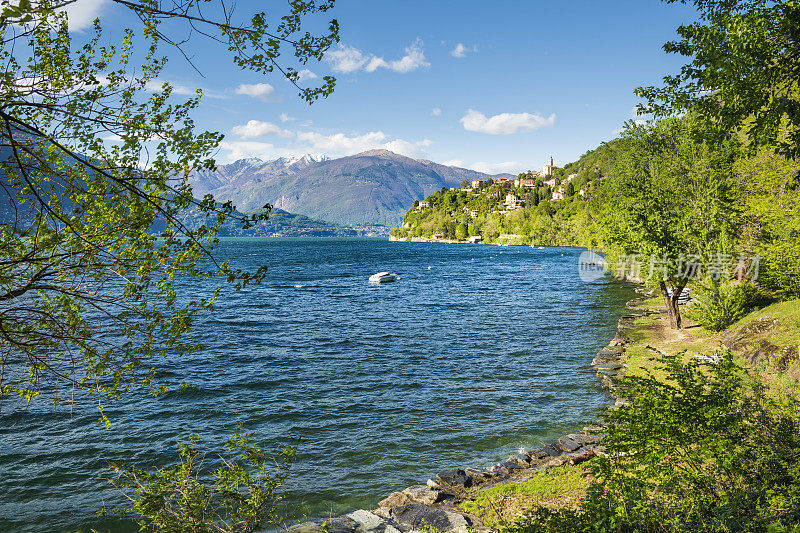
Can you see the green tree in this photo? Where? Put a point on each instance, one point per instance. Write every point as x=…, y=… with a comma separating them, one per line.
x=570, y=190
x=742, y=75
x=87, y=288
x=669, y=200
x=771, y=207
x=461, y=232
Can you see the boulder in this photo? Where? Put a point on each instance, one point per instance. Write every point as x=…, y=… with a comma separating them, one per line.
x=455, y=477
x=539, y=454
x=522, y=459
x=510, y=465
x=340, y=524
x=612, y=350
x=551, y=450
x=423, y=494
x=567, y=444
x=396, y=499
x=478, y=473
x=370, y=523
x=420, y=516
x=585, y=438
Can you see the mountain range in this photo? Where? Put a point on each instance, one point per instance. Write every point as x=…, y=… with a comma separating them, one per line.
x=375, y=187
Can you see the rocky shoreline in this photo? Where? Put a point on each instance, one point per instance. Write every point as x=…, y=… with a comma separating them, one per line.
x=434, y=506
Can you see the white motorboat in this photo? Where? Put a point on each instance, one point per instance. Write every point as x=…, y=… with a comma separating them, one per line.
x=382, y=277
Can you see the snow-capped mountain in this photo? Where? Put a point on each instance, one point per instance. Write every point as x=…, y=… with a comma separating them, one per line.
x=373, y=187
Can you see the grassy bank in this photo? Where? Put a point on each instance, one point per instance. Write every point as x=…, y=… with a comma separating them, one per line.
x=683, y=479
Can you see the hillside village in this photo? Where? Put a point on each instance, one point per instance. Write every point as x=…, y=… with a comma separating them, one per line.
x=544, y=207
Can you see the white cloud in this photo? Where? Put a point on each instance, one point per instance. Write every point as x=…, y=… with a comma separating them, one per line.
x=461, y=51
x=257, y=128
x=436, y=112
x=510, y=167
x=375, y=63
x=414, y=59
x=263, y=91
x=243, y=149
x=81, y=14
x=342, y=143
x=306, y=74
x=504, y=123
x=454, y=163
x=286, y=118
x=347, y=59
x=303, y=142
x=414, y=150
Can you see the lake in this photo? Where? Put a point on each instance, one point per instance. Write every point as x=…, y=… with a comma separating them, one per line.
x=475, y=352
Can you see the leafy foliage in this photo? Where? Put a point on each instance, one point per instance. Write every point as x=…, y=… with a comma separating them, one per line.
x=670, y=198
x=94, y=160
x=718, y=305
x=703, y=450
x=232, y=493
x=771, y=208
x=742, y=73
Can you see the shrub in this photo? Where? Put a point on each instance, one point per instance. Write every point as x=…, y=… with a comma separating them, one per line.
x=718, y=305
x=206, y=494
x=703, y=450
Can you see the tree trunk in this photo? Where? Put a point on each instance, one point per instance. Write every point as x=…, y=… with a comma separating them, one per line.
x=672, y=303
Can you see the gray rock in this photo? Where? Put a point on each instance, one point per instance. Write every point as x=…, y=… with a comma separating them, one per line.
x=522, y=459
x=396, y=499
x=423, y=494
x=539, y=454
x=455, y=477
x=551, y=450
x=510, y=465
x=340, y=524
x=421, y=516
x=305, y=527
x=612, y=350
x=609, y=367
x=500, y=470
x=478, y=473
x=370, y=523
x=383, y=512
x=567, y=444
x=585, y=438
x=432, y=484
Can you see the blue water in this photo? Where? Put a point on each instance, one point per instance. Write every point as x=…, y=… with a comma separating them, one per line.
x=475, y=352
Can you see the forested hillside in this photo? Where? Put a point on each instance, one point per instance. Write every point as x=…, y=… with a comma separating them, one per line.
x=521, y=211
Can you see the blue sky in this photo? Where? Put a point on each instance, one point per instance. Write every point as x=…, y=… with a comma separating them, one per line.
x=494, y=86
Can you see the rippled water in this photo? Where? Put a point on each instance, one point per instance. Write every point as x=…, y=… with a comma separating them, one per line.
x=475, y=352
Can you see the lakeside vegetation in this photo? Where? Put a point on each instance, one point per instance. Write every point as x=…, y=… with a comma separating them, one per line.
x=699, y=446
